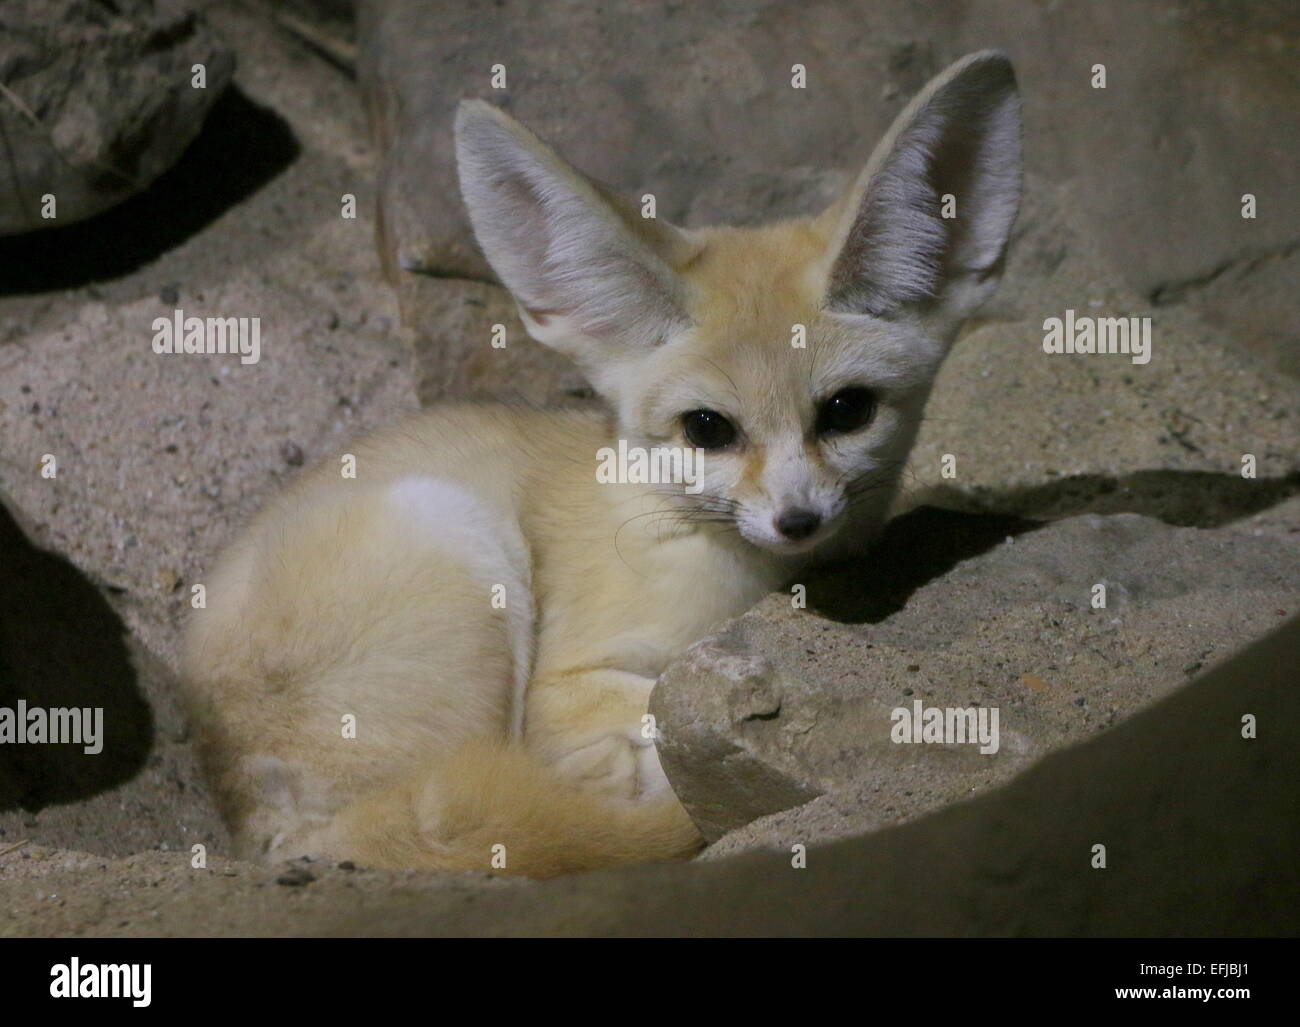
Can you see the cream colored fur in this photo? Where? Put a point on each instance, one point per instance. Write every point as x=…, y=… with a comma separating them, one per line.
x=479, y=726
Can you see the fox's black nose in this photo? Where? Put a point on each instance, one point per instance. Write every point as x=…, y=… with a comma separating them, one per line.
x=798, y=524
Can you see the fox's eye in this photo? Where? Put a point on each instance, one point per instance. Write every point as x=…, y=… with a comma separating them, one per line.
x=846, y=411
x=708, y=429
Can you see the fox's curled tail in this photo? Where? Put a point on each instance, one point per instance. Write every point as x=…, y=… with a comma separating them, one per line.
x=494, y=806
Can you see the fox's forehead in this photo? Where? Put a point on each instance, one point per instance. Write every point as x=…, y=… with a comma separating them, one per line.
x=748, y=290
x=758, y=324
x=756, y=280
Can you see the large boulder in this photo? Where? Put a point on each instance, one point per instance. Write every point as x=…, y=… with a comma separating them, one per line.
x=97, y=101
x=788, y=707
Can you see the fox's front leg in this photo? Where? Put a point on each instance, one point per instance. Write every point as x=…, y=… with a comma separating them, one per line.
x=592, y=727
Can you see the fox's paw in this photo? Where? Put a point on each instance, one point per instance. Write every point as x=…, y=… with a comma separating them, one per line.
x=651, y=781
x=625, y=765
x=607, y=765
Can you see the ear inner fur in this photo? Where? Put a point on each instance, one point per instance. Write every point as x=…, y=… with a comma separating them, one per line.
x=960, y=136
x=564, y=245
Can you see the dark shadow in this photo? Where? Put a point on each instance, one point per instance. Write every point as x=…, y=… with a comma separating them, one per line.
x=913, y=549
x=242, y=147
x=926, y=542
x=1188, y=499
x=61, y=645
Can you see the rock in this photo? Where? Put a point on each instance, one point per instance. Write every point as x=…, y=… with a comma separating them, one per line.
x=1250, y=298
x=292, y=454
x=452, y=325
x=663, y=97
x=1023, y=426
x=98, y=101
x=783, y=706
x=296, y=877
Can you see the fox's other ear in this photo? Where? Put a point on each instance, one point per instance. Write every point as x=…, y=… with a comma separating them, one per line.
x=957, y=144
x=591, y=276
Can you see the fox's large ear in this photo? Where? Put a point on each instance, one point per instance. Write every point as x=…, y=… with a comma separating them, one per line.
x=591, y=276
x=955, y=146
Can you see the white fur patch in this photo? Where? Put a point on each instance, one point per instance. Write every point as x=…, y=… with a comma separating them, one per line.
x=488, y=540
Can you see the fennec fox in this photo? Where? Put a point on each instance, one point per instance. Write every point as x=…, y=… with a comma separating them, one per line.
x=453, y=652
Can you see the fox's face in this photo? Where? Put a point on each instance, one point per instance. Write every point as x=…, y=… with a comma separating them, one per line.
x=796, y=357
x=801, y=412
